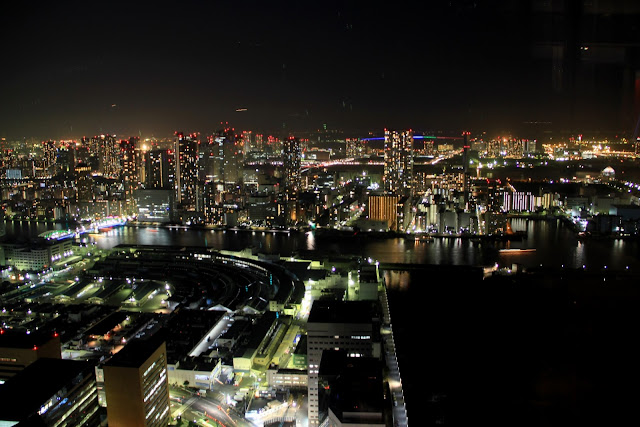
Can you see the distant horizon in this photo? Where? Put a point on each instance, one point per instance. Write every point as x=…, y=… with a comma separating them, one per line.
x=352, y=132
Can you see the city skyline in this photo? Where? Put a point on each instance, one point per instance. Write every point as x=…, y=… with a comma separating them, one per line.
x=130, y=69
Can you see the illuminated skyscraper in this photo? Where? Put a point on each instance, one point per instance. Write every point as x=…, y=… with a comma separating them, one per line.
x=210, y=159
x=49, y=157
x=292, y=160
x=232, y=155
x=106, y=149
x=226, y=157
x=465, y=168
x=160, y=168
x=398, y=162
x=246, y=142
x=259, y=143
x=186, y=149
x=129, y=171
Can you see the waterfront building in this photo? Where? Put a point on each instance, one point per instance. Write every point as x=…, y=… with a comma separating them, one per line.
x=384, y=207
x=68, y=397
x=262, y=208
x=136, y=384
x=351, y=326
x=155, y=205
x=38, y=255
x=518, y=201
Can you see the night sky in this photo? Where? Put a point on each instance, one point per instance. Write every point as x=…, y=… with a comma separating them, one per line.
x=127, y=67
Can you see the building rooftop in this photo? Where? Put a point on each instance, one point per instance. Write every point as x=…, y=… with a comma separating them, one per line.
x=332, y=311
x=108, y=323
x=136, y=352
x=19, y=339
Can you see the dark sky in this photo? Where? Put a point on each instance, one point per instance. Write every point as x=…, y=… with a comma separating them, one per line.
x=79, y=68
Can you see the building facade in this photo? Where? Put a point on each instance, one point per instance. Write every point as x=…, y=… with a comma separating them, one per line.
x=338, y=325
x=136, y=385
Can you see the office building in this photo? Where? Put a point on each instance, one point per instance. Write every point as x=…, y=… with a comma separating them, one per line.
x=51, y=392
x=136, y=385
x=352, y=326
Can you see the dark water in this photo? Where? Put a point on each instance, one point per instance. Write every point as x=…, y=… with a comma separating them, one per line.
x=555, y=245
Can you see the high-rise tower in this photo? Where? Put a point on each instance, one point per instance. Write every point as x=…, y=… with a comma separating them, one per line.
x=129, y=171
x=186, y=170
x=398, y=162
x=291, y=159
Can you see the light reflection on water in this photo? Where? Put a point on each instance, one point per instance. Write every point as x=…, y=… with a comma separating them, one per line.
x=555, y=245
x=397, y=280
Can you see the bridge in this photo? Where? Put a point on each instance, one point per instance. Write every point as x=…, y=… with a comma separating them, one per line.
x=94, y=227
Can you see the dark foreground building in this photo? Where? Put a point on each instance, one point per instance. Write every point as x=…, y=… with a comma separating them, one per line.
x=51, y=392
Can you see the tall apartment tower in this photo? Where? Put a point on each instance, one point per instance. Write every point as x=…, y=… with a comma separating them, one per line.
x=49, y=150
x=186, y=151
x=232, y=158
x=129, y=171
x=465, y=168
x=398, y=162
x=106, y=149
x=351, y=326
x=136, y=385
x=160, y=168
x=292, y=160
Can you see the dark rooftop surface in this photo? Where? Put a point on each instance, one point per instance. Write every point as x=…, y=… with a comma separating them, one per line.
x=20, y=339
x=108, y=323
x=330, y=311
x=136, y=352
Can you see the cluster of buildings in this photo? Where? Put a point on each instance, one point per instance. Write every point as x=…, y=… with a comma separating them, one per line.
x=276, y=325
x=401, y=182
